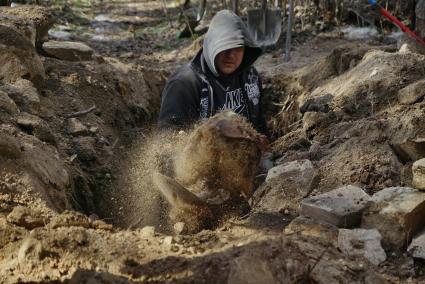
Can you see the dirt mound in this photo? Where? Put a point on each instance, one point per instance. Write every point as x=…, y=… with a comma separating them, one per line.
x=77, y=153
x=354, y=120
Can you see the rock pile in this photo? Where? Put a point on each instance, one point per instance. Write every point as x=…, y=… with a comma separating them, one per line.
x=342, y=202
x=362, y=122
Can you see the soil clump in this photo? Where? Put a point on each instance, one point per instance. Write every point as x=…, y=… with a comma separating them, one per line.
x=78, y=145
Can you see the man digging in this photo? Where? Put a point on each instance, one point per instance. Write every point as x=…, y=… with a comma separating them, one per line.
x=215, y=171
x=219, y=77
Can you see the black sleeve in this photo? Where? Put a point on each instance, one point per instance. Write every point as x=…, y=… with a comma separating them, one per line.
x=179, y=105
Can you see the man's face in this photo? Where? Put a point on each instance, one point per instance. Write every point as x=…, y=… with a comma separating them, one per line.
x=229, y=60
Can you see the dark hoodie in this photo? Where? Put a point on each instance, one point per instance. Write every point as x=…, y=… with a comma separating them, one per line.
x=197, y=91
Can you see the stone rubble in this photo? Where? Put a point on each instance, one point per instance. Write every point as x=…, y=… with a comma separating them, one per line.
x=68, y=50
x=341, y=207
x=298, y=179
x=418, y=170
x=397, y=212
x=303, y=167
x=362, y=243
x=76, y=127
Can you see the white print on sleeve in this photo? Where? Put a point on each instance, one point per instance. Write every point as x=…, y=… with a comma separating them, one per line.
x=252, y=88
x=253, y=93
x=204, y=108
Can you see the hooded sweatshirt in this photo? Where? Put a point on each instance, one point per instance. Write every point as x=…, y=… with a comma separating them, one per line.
x=197, y=90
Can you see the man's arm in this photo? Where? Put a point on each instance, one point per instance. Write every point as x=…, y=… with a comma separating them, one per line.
x=180, y=104
x=261, y=124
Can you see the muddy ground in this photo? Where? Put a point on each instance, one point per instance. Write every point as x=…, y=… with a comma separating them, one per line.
x=76, y=202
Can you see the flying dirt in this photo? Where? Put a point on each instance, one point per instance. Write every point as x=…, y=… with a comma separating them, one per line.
x=92, y=192
x=217, y=165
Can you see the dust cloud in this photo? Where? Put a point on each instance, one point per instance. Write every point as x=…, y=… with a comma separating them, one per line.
x=135, y=202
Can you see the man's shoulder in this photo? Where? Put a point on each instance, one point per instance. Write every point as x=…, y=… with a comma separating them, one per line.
x=185, y=73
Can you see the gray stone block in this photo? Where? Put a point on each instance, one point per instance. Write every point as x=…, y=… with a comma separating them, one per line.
x=363, y=243
x=397, y=212
x=68, y=50
x=341, y=207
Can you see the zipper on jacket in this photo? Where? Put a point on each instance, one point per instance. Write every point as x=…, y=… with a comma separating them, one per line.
x=211, y=99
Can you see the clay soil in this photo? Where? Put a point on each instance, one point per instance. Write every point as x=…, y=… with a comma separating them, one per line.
x=78, y=208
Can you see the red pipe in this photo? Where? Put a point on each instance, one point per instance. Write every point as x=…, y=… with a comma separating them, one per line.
x=403, y=27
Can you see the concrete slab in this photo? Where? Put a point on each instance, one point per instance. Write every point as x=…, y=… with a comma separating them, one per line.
x=68, y=50
x=341, y=207
x=397, y=212
x=362, y=242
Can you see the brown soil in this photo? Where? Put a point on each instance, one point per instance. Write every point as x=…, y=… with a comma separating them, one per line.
x=74, y=206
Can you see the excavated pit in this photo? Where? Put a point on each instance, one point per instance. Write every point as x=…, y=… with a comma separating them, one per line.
x=76, y=204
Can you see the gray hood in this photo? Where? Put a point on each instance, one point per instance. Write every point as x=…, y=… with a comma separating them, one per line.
x=227, y=31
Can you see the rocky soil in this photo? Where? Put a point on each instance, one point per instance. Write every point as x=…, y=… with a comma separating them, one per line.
x=80, y=89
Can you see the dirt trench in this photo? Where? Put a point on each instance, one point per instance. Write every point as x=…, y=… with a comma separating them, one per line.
x=76, y=203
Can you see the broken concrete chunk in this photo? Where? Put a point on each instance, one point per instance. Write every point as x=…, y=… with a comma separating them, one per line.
x=412, y=93
x=397, y=212
x=76, y=127
x=417, y=247
x=285, y=186
x=68, y=50
x=418, y=170
x=7, y=104
x=341, y=207
x=363, y=243
x=303, y=167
